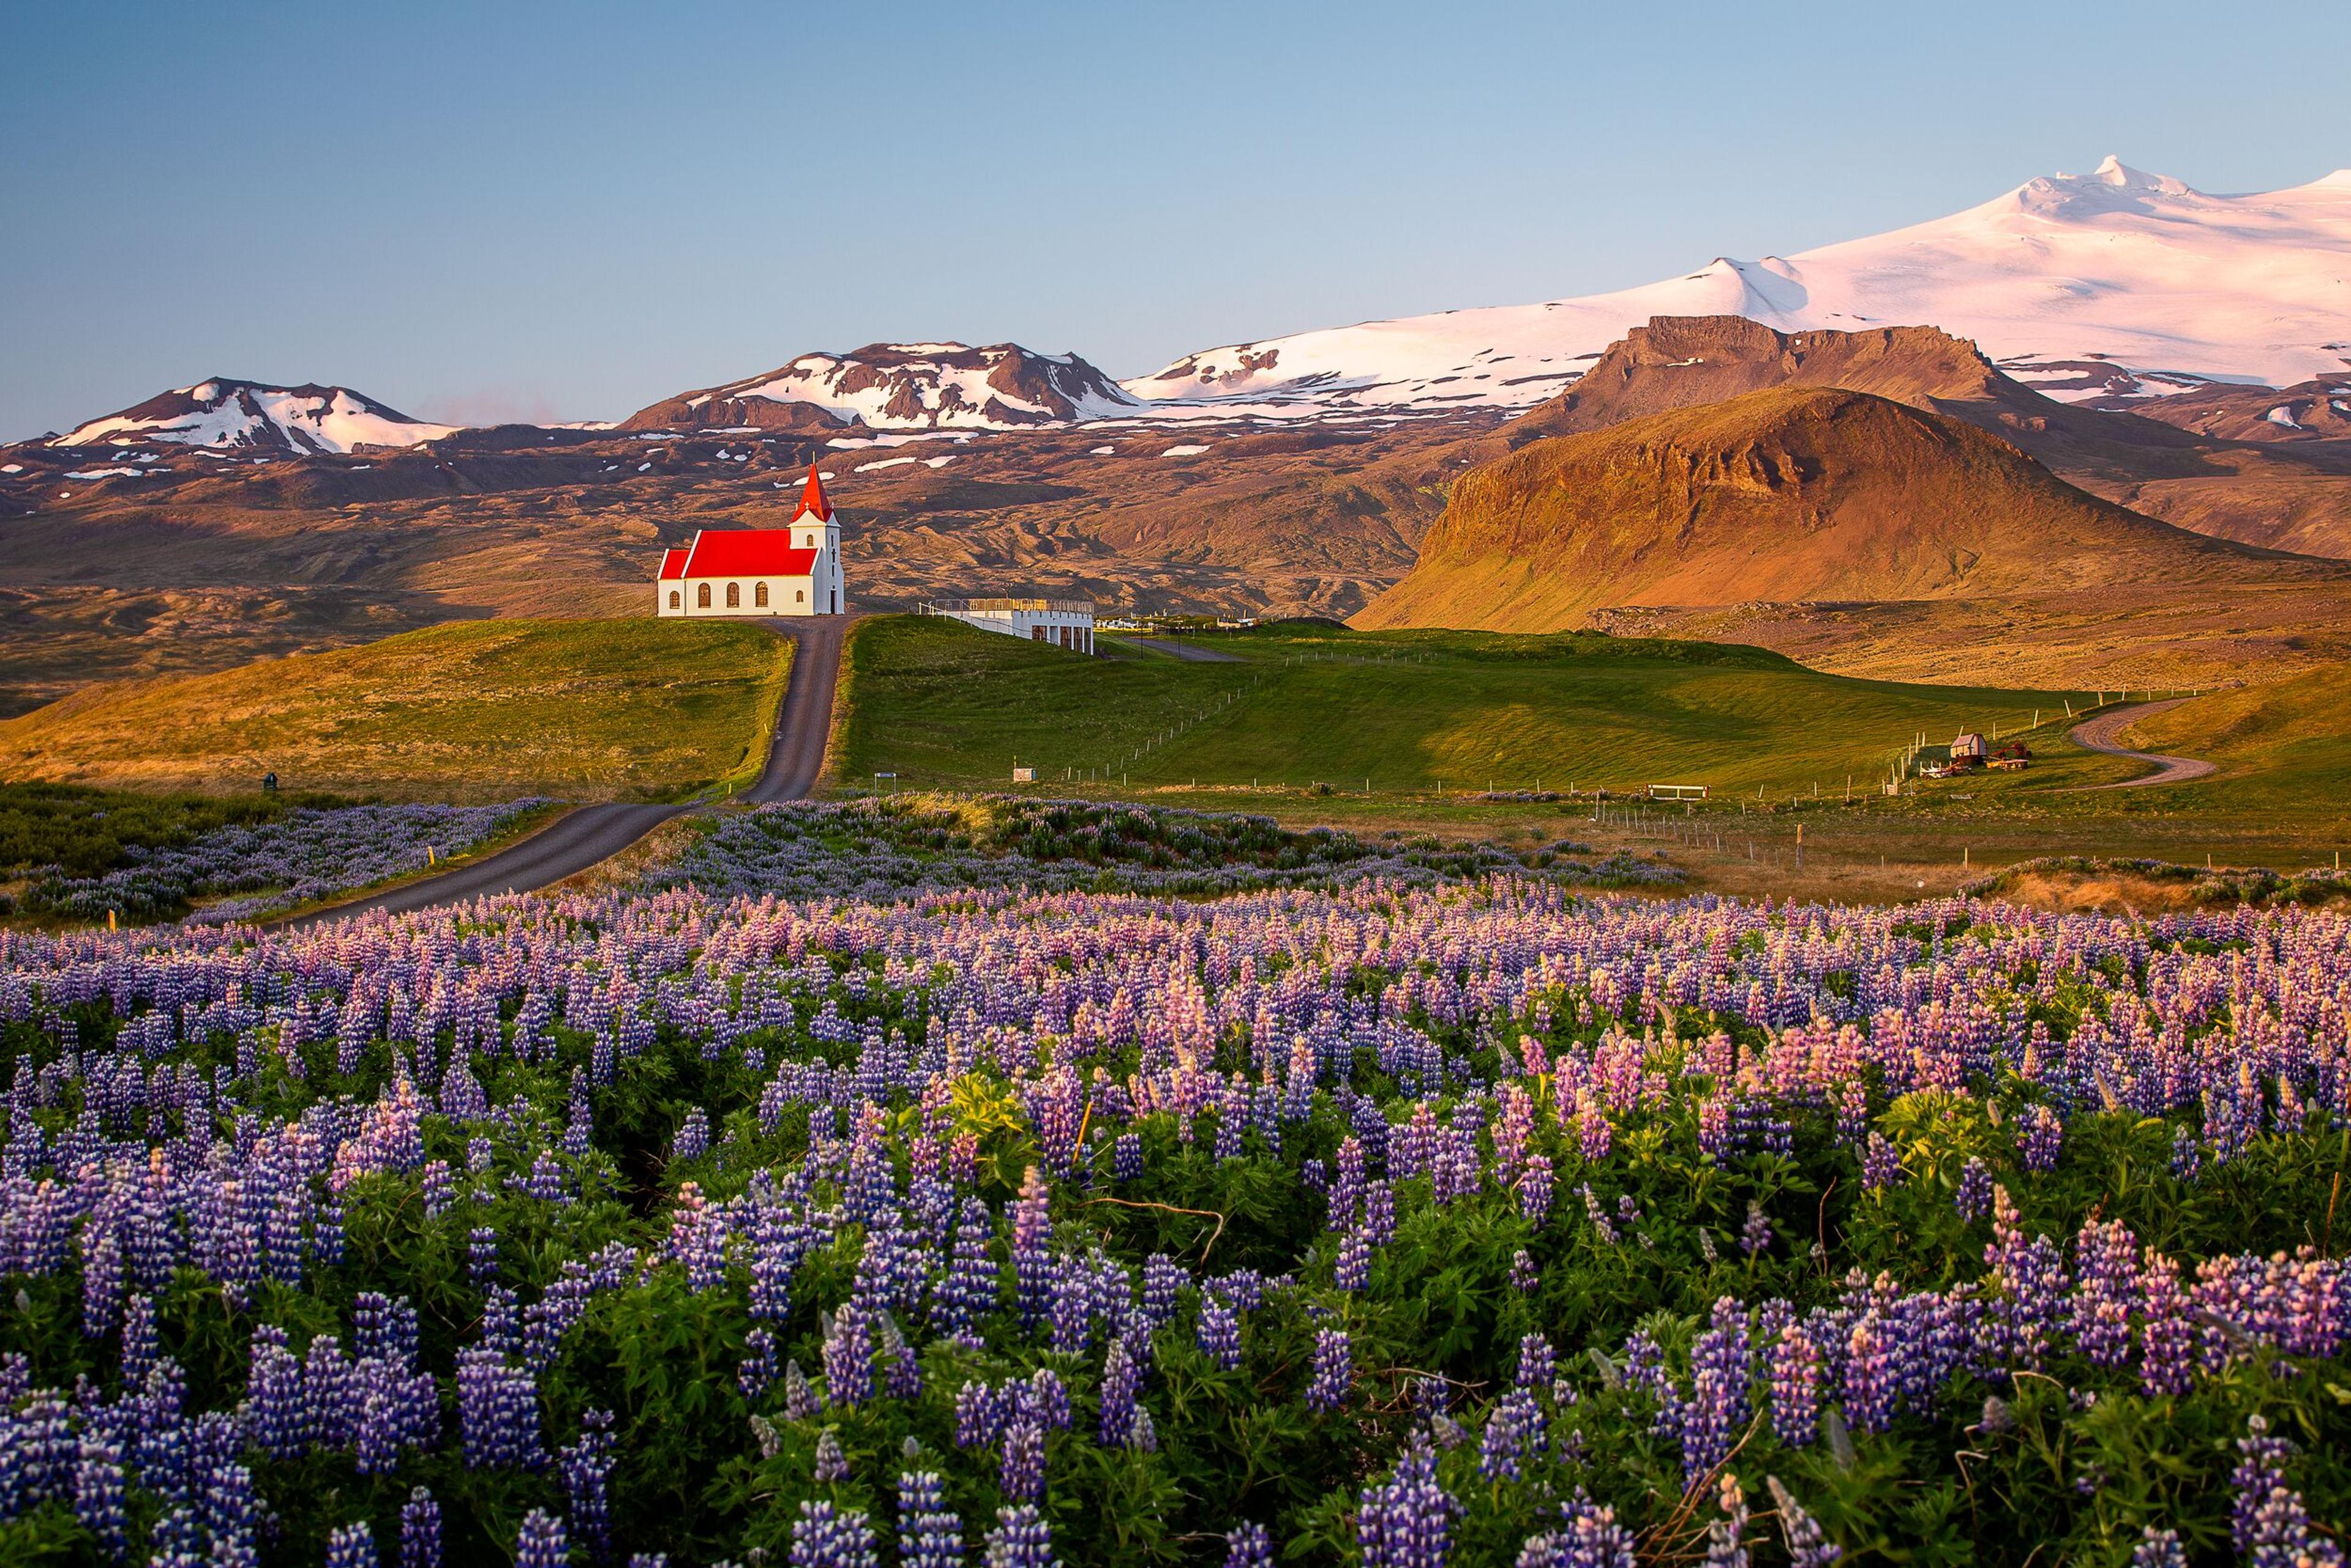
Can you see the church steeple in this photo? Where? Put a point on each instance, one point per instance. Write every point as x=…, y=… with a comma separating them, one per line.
x=813, y=500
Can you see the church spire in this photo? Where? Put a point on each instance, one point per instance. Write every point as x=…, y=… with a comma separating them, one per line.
x=814, y=502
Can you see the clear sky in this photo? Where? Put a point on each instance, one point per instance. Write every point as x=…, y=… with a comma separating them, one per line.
x=566, y=212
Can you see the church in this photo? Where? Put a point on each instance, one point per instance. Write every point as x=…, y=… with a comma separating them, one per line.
x=792, y=570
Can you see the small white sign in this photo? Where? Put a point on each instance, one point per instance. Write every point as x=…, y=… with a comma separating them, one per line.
x=1024, y=776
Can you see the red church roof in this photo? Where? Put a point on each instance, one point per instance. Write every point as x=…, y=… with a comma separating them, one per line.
x=745, y=552
x=813, y=500
x=673, y=564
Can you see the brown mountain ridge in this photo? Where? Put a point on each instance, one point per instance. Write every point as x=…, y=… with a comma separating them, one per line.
x=1787, y=494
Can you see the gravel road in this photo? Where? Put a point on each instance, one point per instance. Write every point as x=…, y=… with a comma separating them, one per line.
x=2098, y=735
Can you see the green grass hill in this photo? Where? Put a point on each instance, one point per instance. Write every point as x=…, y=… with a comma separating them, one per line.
x=470, y=710
x=940, y=704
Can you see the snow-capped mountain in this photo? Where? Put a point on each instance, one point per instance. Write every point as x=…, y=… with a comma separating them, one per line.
x=903, y=386
x=2081, y=285
x=226, y=415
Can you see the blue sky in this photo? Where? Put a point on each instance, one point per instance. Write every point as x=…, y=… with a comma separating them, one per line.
x=566, y=212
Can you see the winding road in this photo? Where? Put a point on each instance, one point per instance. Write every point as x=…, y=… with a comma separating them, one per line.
x=590, y=834
x=2098, y=735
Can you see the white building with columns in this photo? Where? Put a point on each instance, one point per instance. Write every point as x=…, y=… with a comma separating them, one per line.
x=1063, y=622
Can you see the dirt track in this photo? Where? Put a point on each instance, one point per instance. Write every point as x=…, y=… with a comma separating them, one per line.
x=590, y=834
x=2098, y=735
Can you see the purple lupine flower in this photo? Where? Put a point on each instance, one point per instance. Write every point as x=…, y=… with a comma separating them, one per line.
x=2158, y=1548
x=801, y=1401
x=1973, y=1198
x=1022, y=1539
x=1126, y=1157
x=1726, y=1537
x=1808, y=1545
x=1881, y=1166
x=1535, y=1185
x=968, y=1294
x=1522, y=1272
x=1515, y=1430
x=1218, y=1334
x=1247, y=1545
x=497, y=1412
x=1352, y=1269
x=351, y=1546
x=1755, y=1238
x=1718, y=1403
x=831, y=1464
x=1334, y=1371
x=2028, y=1281
x=586, y=1466
x=1407, y=1523
x=541, y=1544
x=848, y=1358
x=1121, y=1377
x=1033, y=1261
x=420, y=1530
x=1538, y=1363
x=2167, y=1334
x=1021, y=1476
x=693, y=1139
x=98, y=1492
x=757, y=1371
x=2040, y=1138
x=928, y=1535
x=1795, y=1387
x=1163, y=1277
x=2106, y=1289
x=1872, y=1382
x=482, y=1255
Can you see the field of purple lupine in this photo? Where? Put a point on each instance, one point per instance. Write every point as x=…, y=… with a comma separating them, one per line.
x=1482, y=1223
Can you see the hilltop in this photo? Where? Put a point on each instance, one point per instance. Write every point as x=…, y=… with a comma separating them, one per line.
x=1791, y=494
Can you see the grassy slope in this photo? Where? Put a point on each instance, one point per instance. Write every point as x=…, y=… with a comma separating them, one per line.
x=469, y=710
x=2284, y=746
x=941, y=703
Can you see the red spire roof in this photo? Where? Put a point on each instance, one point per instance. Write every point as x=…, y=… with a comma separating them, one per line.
x=673, y=564
x=814, y=499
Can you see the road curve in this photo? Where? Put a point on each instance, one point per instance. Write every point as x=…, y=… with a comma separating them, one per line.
x=2098, y=735
x=589, y=834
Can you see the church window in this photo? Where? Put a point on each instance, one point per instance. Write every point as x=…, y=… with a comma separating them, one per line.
x=734, y=596
x=673, y=598
x=799, y=596
x=702, y=597
x=759, y=595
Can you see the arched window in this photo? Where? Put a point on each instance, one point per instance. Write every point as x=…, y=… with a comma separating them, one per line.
x=811, y=541
x=702, y=597
x=734, y=596
x=673, y=598
x=799, y=596
x=760, y=596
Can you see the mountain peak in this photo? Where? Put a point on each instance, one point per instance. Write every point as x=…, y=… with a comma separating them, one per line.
x=902, y=386
x=229, y=414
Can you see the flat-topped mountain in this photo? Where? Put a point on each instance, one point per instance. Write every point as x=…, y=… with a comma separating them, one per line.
x=1787, y=494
